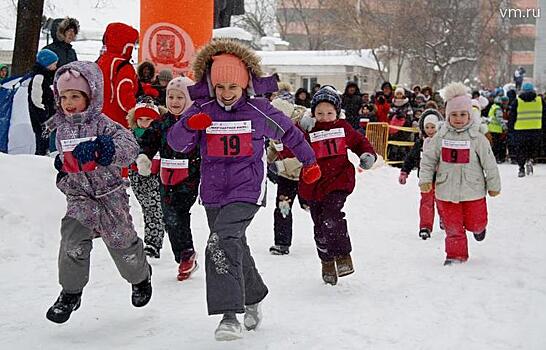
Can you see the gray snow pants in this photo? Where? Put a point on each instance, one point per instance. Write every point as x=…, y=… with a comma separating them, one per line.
x=74, y=253
x=232, y=278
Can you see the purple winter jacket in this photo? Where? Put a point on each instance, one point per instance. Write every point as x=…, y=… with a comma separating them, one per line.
x=98, y=199
x=238, y=179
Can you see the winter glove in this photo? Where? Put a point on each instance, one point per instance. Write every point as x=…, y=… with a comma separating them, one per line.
x=310, y=173
x=149, y=90
x=493, y=193
x=105, y=149
x=199, y=121
x=425, y=188
x=279, y=164
x=367, y=160
x=402, y=178
x=85, y=152
x=144, y=165
x=307, y=122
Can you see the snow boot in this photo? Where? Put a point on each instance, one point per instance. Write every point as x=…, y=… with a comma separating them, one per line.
x=453, y=261
x=424, y=233
x=151, y=251
x=278, y=249
x=529, y=167
x=344, y=265
x=521, y=172
x=479, y=236
x=187, y=267
x=229, y=328
x=63, y=307
x=142, y=292
x=253, y=316
x=329, y=274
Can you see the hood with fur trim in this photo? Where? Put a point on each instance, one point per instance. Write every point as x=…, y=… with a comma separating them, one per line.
x=427, y=112
x=63, y=25
x=131, y=116
x=258, y=84
x=120, y=39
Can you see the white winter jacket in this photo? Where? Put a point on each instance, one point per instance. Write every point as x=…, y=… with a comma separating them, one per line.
x=465, y=164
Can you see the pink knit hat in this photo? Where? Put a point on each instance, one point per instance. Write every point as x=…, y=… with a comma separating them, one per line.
x=73, y=80
x=181, y=84
x=459, y=103
x=227, y=68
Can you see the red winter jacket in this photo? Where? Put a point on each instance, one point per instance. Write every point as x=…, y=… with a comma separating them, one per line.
x=338, y=173
x=383, y=112
x=120, y=78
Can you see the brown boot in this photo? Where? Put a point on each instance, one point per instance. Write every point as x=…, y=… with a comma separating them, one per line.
x=344, y=265
x=329, y=274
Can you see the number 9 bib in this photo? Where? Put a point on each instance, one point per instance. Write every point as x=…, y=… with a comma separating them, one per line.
x=229, y=139
x=328, y=143
x=457, y=152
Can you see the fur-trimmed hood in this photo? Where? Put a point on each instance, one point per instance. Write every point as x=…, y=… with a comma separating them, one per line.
x=258, y=84
x=131, y=116
x=63, y=25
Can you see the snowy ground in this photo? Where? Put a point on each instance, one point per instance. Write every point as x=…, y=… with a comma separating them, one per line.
x=401, y=297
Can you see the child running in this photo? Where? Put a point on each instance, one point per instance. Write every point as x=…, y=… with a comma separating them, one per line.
x=231, y=128
x=466, y=171
x=330, y=138
x=93, y=149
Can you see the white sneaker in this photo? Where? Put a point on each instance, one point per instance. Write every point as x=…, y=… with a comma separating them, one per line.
x=253, y=316
x=228, y=329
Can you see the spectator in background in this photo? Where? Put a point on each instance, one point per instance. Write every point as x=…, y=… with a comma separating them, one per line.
x=302, y=98
x=163, y=79
x=386, y=87
x=382, y=108
x=519, y=75
x=120, y=78
x=64, y=32
x=4, y=72
x=41, y=102
x=351, y=102
x=316, y=88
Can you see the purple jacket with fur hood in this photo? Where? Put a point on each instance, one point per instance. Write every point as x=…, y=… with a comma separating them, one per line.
x=98, y=198
x=236, y=179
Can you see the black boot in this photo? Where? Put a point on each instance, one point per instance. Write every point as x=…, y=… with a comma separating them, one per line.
x=152, y=251
x=278, y=249
x=142, y=292
x=521, y=172
x=424, y=233
x=479, y=236
x=63, y=307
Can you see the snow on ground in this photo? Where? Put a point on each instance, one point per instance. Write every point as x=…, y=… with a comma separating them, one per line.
x=401, y=297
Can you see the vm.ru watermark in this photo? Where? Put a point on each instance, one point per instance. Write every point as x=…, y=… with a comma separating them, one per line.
x=520, y=13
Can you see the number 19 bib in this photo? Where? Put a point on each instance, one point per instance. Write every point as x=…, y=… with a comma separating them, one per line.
x=457, y=152
x=229, y=139
x=328, y=143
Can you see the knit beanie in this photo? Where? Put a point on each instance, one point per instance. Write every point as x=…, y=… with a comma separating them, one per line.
x=527, y=87
x=457, y=99
x=227, y=68
x=328, y=94
x=431, y=119
x=73, y=80
x=46, y=57
x=165, y=75
x=181, y=84
x=146, y=110
x=400, y=90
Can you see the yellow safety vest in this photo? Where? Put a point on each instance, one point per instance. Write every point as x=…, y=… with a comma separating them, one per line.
x=529, y=115
x=495, y=125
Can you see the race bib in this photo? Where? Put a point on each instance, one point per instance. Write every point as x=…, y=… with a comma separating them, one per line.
x=229, y=139
x=156, y=164
x=457, y=152
x=70, y=164
x=329, y=143
x=173, y=171
x=279, y=147
x=364, y=122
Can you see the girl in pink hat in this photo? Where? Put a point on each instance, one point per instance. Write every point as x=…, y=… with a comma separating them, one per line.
x=466, y=171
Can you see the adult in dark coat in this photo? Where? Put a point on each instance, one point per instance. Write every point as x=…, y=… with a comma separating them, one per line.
x=63, y=32
x=351, y=101
x=302, y=98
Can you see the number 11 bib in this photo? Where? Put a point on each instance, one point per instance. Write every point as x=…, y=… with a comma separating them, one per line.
x=328, y=143
x=229, y=139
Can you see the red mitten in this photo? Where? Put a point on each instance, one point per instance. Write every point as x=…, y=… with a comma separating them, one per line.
x=199, y=121
x=149, y=90
x=310, y=173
